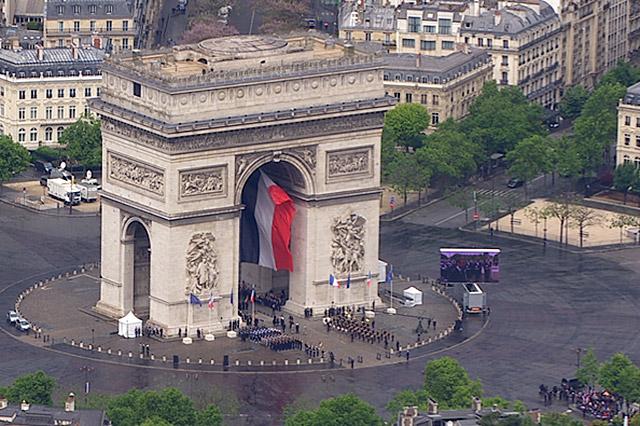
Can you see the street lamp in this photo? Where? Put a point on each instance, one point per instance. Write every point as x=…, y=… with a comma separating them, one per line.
x=86, y=369
x=578, y=352
x=93, y=340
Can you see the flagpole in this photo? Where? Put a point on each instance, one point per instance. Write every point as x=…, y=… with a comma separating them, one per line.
x=189, y=316
x=391, y=279
x=253, y=305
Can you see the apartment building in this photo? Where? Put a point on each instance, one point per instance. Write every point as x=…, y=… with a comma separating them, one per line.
x=524, y=39
x=628, y=142
x=429, y=28
x=445, y=85
x=595, y=38
x=42, y=91
x=373, y=23
x=634, y=28
x=104, y=24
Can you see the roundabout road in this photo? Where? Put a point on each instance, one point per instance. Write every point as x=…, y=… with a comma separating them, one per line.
x=547, y=305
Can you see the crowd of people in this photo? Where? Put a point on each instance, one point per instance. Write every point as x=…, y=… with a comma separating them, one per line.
x=601, y=405
x=344, y=320
x=270, y=337
x=271, y=299
x=281, y=322
x=466, y=268
x=148, y=331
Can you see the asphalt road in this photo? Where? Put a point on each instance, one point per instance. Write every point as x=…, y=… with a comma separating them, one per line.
x=547, y=305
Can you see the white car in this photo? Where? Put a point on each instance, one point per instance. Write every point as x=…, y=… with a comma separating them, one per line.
x=23, y=325
x=12, y=317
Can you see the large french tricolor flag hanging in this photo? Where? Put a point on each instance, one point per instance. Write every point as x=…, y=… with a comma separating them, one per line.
x=266, y=224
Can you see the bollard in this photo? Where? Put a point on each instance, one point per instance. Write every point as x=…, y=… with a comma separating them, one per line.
x=199, y=360
x=119, y=352
x=378, y=356
x=130, y=355
x=141, y=356
x=99, y=349
x=73, y=342
x=274, y=362
x=261, y=362
x=298, y=361
x=153, y=357
x=321, y=360
x=81, y=344
x=164, y=358
x=188, y=360
x=212, y=362
x=249, y=362
x=109, y=351
x=237, y=362
x=286, y=362
x=310, y=361
x=90, y=347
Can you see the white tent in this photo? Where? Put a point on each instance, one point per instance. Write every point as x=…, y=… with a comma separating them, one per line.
x=413, y=296
x=127, y=325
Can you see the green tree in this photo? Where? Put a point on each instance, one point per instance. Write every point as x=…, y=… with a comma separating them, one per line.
x=595, y=130
x=462, y=199
x=446, y=381
x=495, y=419
x=625, y=177
x=342, y=410
x=405, y=123
x=572, y=102
x=407, y=398
x=528, y=159
x=613, y=370
x=589, y=371
x=155, y=421
x=14, y=158
x=210, y=416
x=560, y=210
x=497, y=401
x=519, y=406
x=405, y=174
x=83, y=140
x=558, y=419
x=583, y=217
x=35, y=388
x=624, y=73
x=622, y=221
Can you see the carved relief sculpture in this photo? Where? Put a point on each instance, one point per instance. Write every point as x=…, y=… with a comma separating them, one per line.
x=351, y=162
x=306, y=154
x=347, y=243
x=202, y=182
x=136, y=174
x=201, y=265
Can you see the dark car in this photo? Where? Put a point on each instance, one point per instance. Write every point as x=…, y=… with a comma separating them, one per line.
x=43, y=166
x=515, y=183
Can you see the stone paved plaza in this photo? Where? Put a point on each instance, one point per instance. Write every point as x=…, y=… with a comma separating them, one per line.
x=63, y=310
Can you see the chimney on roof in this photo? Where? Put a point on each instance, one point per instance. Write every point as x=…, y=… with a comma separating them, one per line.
x=418, y=58
x=497, y=17
x=24, y=406
x=432, y=406
x=3, y=402
x=407, y=416
x=40, y=51
x=74, y=51
x=70, y=403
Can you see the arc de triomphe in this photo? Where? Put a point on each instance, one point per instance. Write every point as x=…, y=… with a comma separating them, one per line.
x=184, y=129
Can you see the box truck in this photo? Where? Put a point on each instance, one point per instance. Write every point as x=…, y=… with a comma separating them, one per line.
x=64, y=190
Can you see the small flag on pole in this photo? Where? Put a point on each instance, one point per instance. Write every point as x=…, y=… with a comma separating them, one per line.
x=369, y=279
x=349, y=280
x=194, y=300
x=253, y=296
x=333, y=281
x=389, y=278
x=212, y=302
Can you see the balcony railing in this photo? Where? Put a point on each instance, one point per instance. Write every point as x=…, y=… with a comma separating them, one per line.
x=87, y=31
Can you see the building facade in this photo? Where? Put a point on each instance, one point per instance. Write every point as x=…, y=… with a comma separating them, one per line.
x=187, y=133
x=524, y=40
x=42, y=91
x=634, y=28
x=370, y=24
x=446, y=86
x=104, y=24
x=628, y=142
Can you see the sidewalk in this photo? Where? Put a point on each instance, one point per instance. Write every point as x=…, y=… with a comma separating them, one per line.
x=33, y=196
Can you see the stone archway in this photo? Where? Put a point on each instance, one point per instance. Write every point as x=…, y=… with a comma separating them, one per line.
x=138, y=258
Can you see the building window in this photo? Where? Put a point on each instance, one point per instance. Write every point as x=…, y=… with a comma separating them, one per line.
x=108, y=9
x=444, y=26
x=87, y=92
x=60, y=112
x=49, y=93
x=505, y=61
x=92, y=8
x=72, y=111
x=480, y=42
x=48, y=134
x=34, y=93
x=33, y=114
x=637, y=121
x=627, y=120
x=21, y=114
x=72, y=93
x=61, y=26
x=76, y=9
x=348, y=34
x=429, y=28
x=33, y=135
x=21, y=135
x=125, y=42
x=435, y=118
x=60, y=43
x=125, y=27
x=638, y=141
x=505, y=78
x=87, y=111
x=414, y=24
x=137, y=90
x=489, y=42
x=427, y=45
x=22, y=94
x=408, y=42
x=408, y=97
x=60, y=9
x=76, y=25
x=397, y=95
x=367, y=36
x=92, y=26
x=1, y=110
x=424, y=99
x=97, y=91
x=627, y=139
x=109, y=25
x=59, y=132
x=636, y=161
x=505, y=44
x=448, y=45
x=61, y=93
x=435, y=100
x=48, y=113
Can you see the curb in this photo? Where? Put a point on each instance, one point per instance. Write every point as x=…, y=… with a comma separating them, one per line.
x=46, y=213
x=408, y=212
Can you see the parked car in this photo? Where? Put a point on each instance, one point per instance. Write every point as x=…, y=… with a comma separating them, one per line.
x=43, y=166
x=12, y=317
x=23, y=325
x=515, y=183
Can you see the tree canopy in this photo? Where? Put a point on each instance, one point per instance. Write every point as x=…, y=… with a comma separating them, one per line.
x=624, y=73
x=572, y=102
x=83, y=140
x=342, y=410
x=14, y=158
x=626, y=176
x=589, y=370
x=529, y=158
x=405, y=124
x=35, y=388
